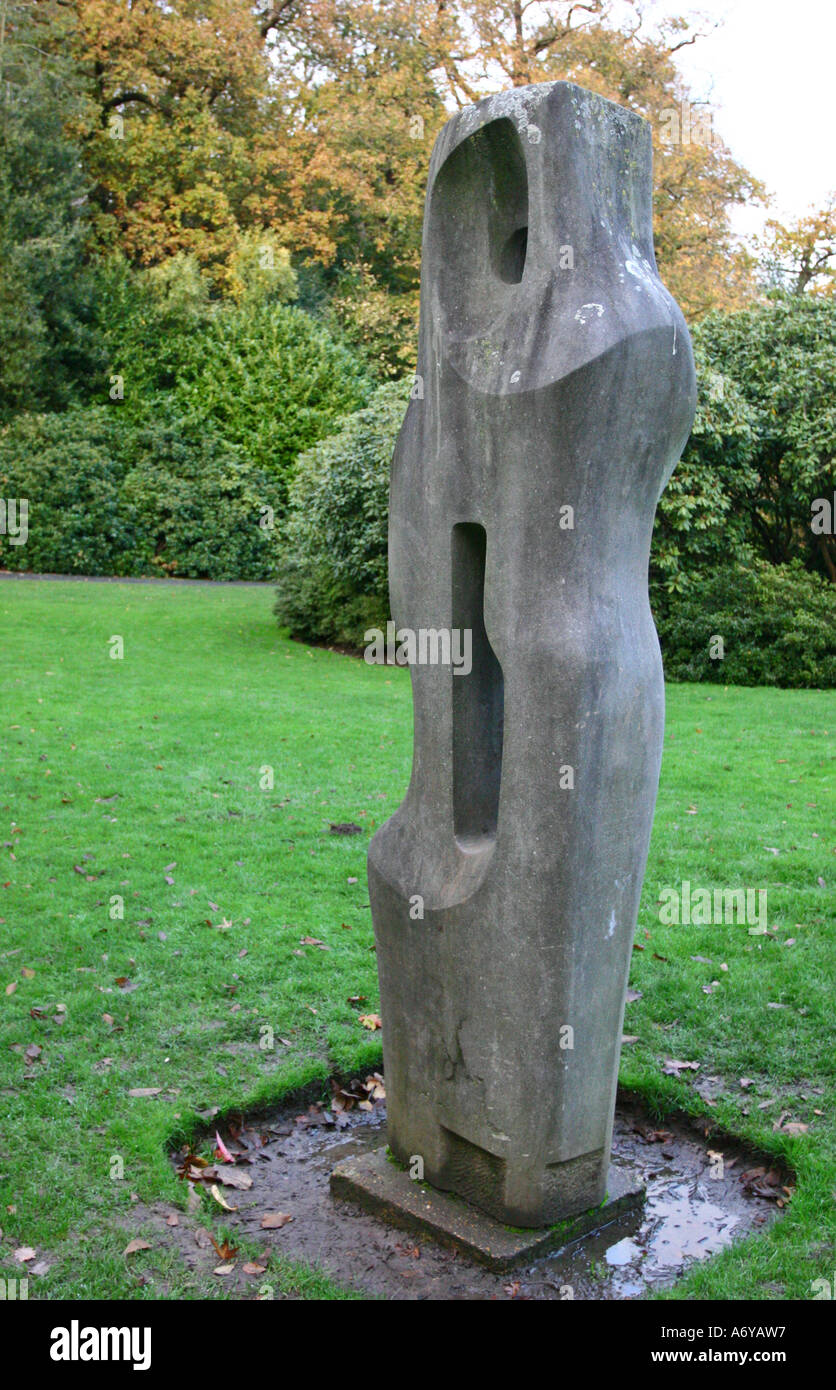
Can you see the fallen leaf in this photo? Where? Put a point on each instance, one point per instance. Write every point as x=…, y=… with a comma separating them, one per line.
x=633, y=995
x=24, y=1253
x=134, y=1245
x=223, y=1270
x=221, y=1201
x=225, y=1250
x=10, y=989
x=673, y=1067
x=172, y=1219
x=371, y=1021
x=251, y=1268
x=627, y=1038
x=221, y=1151
x=230, y=1177
x=145, y=1091
x=274, y=1220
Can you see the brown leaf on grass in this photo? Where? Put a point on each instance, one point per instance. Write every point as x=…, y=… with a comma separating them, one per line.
x=134, y=1245
x=627, y=1039
x=225, y=1251
x=371, y=1021
x=32, y=1053
x=172, y=1219
x=274, y=1220
x=251, y=1268
x=633, y=995
x=141, y=1092
x=27, y=973
x=221, y=1201
x=223, y=1270
x=794, y=1127
x=313, y=941
x=24, y=1253
x=746, y=1082
x=191, y=1164
x=673, y=1067
x=10, y=989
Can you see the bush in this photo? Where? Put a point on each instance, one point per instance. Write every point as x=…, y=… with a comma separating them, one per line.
x=205, y=512
x=333, y=567
x=64, y=465
x=776, y=622
x=110, y=497
x=264, y=376
x=271, y=381
x=761, y=450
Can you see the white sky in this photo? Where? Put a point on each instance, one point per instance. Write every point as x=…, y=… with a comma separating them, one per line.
x=768, y=70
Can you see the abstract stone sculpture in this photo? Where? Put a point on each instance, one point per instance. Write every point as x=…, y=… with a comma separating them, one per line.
x=557, y=394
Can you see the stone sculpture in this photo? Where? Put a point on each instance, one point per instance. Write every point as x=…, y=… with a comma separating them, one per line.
x=555, y=394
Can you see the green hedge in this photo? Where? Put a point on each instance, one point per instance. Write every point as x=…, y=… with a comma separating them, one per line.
x=159, y=498
x=332, y=578
x=777, y=624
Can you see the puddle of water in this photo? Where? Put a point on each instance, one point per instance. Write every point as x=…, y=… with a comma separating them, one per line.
x=692, y=1210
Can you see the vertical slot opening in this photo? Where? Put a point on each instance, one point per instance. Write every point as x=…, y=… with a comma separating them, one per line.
x=478, y=699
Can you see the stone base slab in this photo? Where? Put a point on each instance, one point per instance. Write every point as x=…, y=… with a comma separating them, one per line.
x=375, y=1182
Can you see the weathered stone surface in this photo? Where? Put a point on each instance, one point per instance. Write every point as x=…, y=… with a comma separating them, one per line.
x=375, y=1183
x=557, y=374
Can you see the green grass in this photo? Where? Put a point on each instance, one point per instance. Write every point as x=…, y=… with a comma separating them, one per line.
x=120, y=768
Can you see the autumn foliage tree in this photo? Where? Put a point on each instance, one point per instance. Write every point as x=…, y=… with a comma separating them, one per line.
x=316, y=118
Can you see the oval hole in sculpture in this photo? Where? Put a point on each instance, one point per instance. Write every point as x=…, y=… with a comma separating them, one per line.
x=478, y=700
x=512, y=257
x=477, y=238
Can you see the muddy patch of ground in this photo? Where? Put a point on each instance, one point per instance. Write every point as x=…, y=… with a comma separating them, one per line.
x=702, y=1193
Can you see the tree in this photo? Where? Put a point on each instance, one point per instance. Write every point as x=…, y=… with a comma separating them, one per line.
x=802, y=257
x=316, y=118
x=46, y=345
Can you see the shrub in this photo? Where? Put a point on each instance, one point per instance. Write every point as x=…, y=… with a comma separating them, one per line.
x=110, y=496
x=264, y=376
x=777, y=624
x=333, y=567
x=205, y=512
x=270, y=380
x=64, y=465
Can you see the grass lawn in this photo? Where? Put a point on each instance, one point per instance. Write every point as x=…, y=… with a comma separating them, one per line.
x=145, y=779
